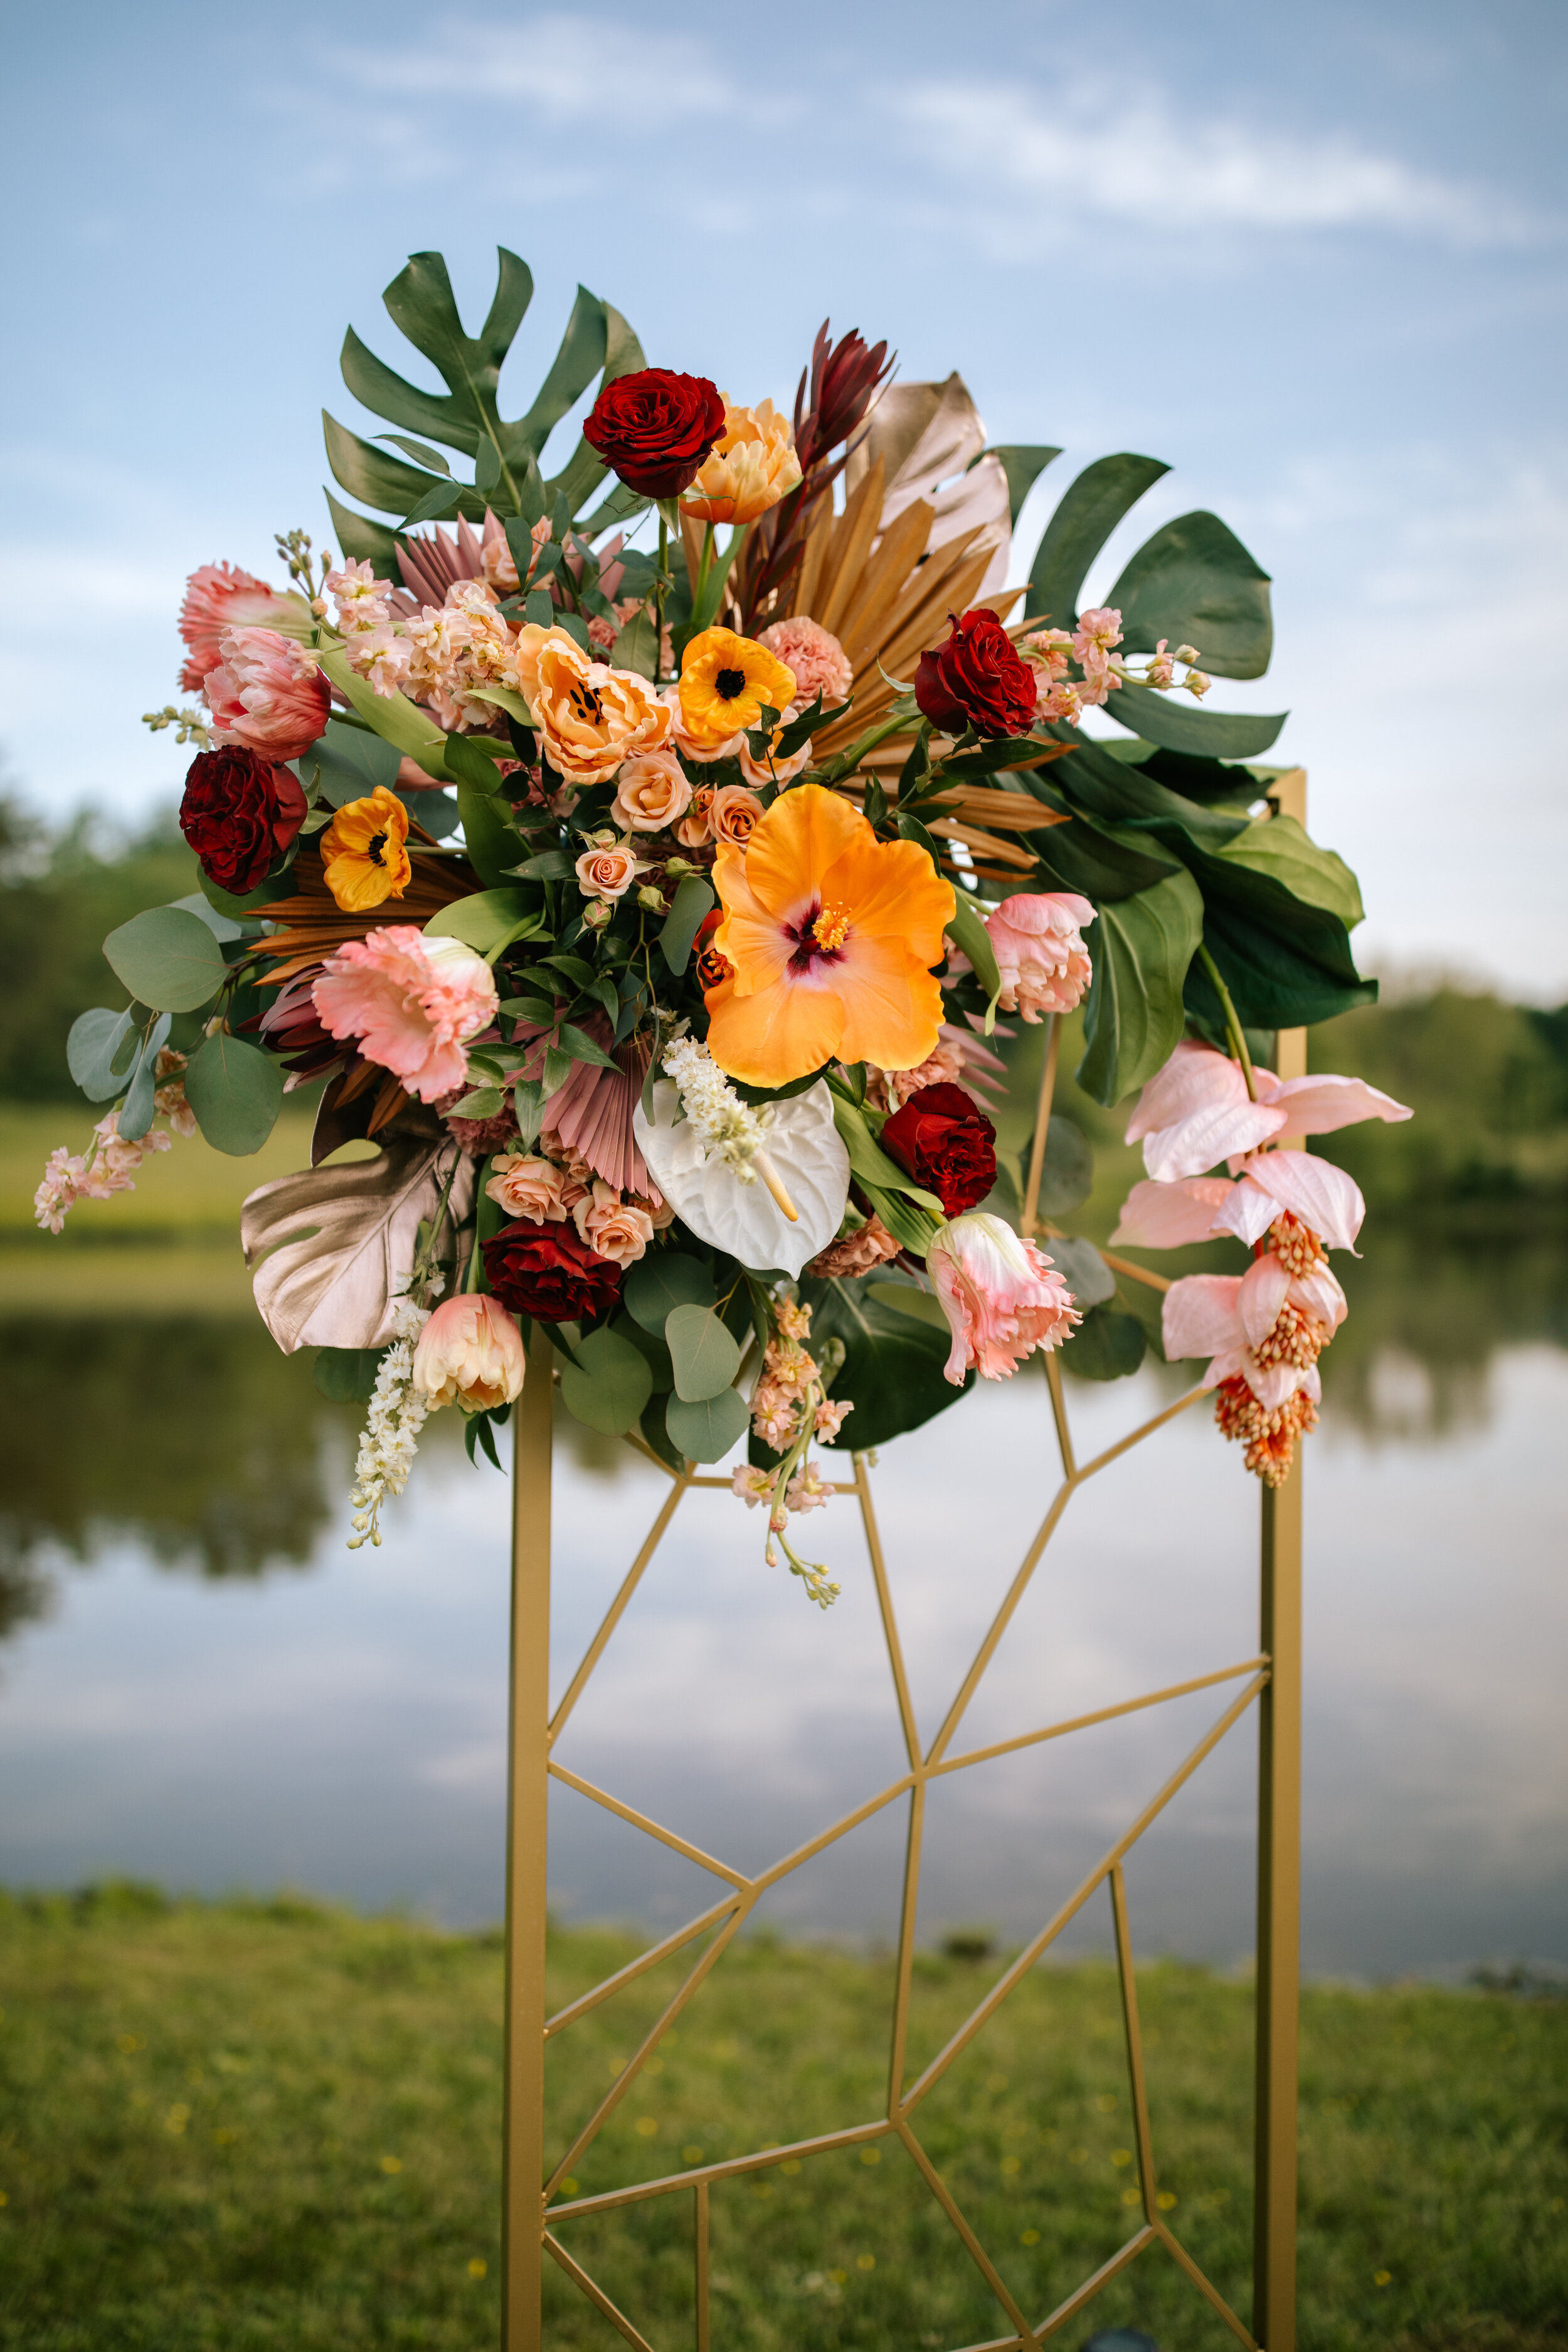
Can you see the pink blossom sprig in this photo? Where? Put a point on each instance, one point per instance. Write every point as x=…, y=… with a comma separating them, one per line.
x=1051, y=653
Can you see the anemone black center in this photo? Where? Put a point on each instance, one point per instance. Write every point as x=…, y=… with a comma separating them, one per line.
x=730, y=683
x=374, y=846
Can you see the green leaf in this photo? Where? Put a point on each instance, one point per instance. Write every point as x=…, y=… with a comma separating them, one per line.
x=1100, y=861
x=489, y=837
x=1194, y=583
x=869, y=1162
x=1108, y=1344
x=486, y=919
x=636, y=647
x=363, y=540
x=609, y=1384
x=347, y=1375
x=504, y=698
x=651, y=1347
x=656, y=1435
x=1286, y=962
x=482, y=1102
x=892, y=1364
x=703, y=1356
x=1133, y=1015
x=1086, y=515
x=1083, y=1270
x=967, y=931
x=693, y=901
x=373, y=476
x=550, y=865
x=910, y=1225
x=237, y=1093
x=167, y=959
x=1280, y=847
x=574, y=368
x=528, y=1109
x=349, y=764
x=582, y=1047
x=222, y=927
x=905, y=1298
x=420, y=451
x=1176, y=722
x=276, y=886
x=1023, y=463
x=661, y=1281
x=705, y=1431
x=136, y=1111
x=392, y=716
x=95, y=1041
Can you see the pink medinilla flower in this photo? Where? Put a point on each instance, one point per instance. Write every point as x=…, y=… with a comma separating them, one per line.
x=219, y=597
x=1266, y=1327
x=266, y=691
x=470, y=1353
x=1040, y=952
x=412, y=1002
x=1002, y=1296
x=1196, y=1111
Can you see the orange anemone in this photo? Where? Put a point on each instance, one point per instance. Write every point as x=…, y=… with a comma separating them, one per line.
x=364, y=852
x=832, y=934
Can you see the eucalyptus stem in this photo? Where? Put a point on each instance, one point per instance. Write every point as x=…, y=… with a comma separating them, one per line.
x=1232, y=1023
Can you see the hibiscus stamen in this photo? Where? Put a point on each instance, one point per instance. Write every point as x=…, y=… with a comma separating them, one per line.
x=831, y=929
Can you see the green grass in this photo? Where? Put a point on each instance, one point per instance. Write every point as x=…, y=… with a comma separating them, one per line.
x=269, y=2125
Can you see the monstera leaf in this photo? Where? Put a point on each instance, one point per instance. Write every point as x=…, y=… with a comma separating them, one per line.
x=329, y=1245
x=466, y=417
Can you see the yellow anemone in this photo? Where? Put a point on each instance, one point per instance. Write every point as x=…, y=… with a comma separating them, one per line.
x=831, y=933
x=364, y=852
x=724, y=681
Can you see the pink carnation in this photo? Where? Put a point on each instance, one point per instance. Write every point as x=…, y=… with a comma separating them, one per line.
x=412, y=1002
x=219, y=597
x=267, y=692
x=1002, y=1296
x=818, y=660
x=1044, y=963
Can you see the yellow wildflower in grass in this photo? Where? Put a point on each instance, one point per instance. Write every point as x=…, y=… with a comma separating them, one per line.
x=753, y=466
x=725, y=680
x=477, y=2267
x=365, y=854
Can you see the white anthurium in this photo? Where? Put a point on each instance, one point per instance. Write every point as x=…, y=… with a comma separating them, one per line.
x=804, y=1151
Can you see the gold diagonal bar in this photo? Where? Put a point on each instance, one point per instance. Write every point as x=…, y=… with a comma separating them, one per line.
x=756, y=2159
x=834, y=1486
x=1144, y=1274
x=699, y=2233
x=884, y=1603
x=1075, y=1901
x=616, y=1609
x=639, y=1967
x=1137, y=1435
x=640, y=1446
x=1092, y=2286
x=654, y=1829
x=1141, y=2133
x=630, y=2072
x=596, y=2295
x=771, y=1876
x=1060, y=1415
x=1100, y=1715
x=1179, y=2254
x=1015, y=1592
x=907, y=1917
x=976, y=2252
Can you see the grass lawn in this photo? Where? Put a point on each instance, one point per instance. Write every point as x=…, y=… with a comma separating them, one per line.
x=269, y=2125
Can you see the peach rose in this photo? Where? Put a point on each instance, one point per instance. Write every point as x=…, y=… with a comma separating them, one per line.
x=608, y=873
x=651, y=792
x=528, y=1187
x=591, y=719
x=612, y=1227
x=776, y=771
x=695, y=827
x=734, y=813
x=752, y=466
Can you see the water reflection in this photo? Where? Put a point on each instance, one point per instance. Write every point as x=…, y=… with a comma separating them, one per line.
x=1414, y=1363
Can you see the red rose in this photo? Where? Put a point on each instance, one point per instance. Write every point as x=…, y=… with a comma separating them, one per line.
x=945, y=1142
x=545, y=1271
x=654, y=428
x=239, y=813
x=977, y=679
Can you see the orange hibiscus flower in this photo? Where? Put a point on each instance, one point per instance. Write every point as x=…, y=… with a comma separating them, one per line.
x=832, y=934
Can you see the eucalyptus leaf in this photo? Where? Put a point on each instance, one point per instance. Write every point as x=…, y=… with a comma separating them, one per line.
x=1108, y=1344
x=703, y=1356
x=95, y=1040
x=608, y=1384
x=661, y=1281
x=136, y=1111
x=1083, y=1270
x=222, y=928
x=167, y=958
x=636, y=646
x=651, y=1348
x=236, y=1091
x=706, y=1431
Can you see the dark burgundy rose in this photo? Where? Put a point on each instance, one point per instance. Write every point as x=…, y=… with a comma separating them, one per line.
x=945, y=1142
x=977, y=679
x=654, y=428
x=239, y=813
x=545, y=1271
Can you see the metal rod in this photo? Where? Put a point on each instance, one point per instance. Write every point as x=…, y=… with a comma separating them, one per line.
x=700, y=2235
x=1278, y=1922
x=528, y=1803
x=1180, y=2256
x=1141, y=2136
x=596, y=2296
x=1102, y=2277
x=1042, y=1126
x=976, y=2252
x=1100, y=1715
x=616, y=1609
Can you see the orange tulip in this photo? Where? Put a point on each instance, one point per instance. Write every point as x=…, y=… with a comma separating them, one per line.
x=832, y=934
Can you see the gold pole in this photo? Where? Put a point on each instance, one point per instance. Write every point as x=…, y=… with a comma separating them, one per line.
x=1279, y=1843
x=1030, y=1219
x=522, y=2151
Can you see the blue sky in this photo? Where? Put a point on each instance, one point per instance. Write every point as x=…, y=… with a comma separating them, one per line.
x=1314, y=256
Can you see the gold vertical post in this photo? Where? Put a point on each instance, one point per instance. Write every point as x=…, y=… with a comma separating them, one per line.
x=1280, y=1841
x=1030, y=1218
x=522, y=2153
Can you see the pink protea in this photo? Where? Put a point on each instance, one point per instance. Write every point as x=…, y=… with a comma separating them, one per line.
x=1044, y=963
x=267, y=692
x=219, y=597
x=470, y=1353
x=1002, y=1296
x=412, y=1004
x=819, y=662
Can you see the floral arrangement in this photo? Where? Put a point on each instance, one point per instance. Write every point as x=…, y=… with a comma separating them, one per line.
x=672, y=920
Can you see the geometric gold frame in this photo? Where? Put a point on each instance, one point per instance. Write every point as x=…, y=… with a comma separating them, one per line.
x=536, y=2225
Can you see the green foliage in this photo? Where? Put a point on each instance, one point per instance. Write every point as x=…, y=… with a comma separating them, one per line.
x=706, y=1430
x=893, y=1366
x=1193, y=583
x=693, y=901
x=606, y=1381
x=704, y=1357
x=208, y=2099
x=1134, y=1016
x=237, y=1093
x=167, y=959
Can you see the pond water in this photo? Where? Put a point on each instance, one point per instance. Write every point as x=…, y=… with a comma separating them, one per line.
x=200, y=1685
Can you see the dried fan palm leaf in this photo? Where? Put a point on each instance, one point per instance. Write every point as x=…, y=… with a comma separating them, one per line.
x=331, y=1242
x=311, y=924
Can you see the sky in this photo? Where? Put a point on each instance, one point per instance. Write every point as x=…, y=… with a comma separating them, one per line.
x=1315, y=258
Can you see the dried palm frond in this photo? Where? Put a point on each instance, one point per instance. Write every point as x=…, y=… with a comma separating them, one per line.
x=311, y=924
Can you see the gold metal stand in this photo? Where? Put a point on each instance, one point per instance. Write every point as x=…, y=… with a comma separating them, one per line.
x=528, y=1804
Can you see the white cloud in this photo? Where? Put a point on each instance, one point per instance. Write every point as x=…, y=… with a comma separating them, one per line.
x=571, y=66
x=1134, y=160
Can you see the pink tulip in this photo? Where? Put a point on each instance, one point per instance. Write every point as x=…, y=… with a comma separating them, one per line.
x=1002, y=1296
x=1265, y=1327
x=219, y=597
x=267, y=692
x=412, y=1002
x=470, y=1353
x=1044, y=964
